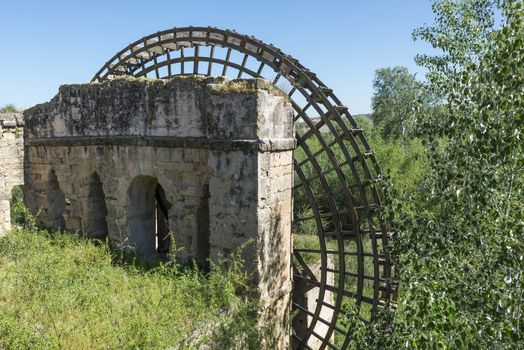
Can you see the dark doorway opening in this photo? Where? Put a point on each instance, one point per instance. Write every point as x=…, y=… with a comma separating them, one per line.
x=56, y=202
x=148, y=229
x=163, y=238
x=96, y=224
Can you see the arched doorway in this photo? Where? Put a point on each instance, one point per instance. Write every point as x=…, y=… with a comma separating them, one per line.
x=55, y=212
x=96, y=223
x=148, y=218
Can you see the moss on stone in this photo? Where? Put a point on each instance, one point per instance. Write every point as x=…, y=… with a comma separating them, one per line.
x=236, y=87
x=240, y=86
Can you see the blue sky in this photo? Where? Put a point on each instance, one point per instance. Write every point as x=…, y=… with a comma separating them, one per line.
x=48, y=43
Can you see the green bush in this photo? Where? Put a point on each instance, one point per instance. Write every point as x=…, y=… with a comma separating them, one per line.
x=19, y=213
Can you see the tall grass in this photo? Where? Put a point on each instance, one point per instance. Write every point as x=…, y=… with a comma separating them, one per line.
x=9, y=108
x=59, y=292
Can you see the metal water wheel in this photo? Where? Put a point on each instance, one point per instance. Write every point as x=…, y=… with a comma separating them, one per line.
x=342, y=270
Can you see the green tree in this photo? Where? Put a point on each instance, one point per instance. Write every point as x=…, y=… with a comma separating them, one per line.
x=394, y=102
x=461, y=257
x=462, y=31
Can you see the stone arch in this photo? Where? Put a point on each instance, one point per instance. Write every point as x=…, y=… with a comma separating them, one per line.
x=96, y=224
x=147, y=226
x=56, y=202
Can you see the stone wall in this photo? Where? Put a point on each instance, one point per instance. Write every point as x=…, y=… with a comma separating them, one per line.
x=215, y=156
x=11, y=162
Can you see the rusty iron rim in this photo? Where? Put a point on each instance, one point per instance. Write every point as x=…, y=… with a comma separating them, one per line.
x=335, y=171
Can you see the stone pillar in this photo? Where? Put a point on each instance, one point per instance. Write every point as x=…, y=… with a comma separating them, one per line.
x=251, y=203
x=11, y=163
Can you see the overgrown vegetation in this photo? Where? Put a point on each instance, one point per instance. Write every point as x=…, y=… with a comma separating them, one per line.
x=59, y=292
x=460, y=243
x=453, y=154
x=19, y=213
x=9, y=108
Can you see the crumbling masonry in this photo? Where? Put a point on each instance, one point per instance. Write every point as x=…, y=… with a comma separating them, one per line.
x=203, y=160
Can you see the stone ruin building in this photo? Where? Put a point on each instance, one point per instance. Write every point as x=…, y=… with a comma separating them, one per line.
x=161, y=150
x=204, y=161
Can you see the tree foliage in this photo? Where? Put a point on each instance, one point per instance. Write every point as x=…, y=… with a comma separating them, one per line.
x=461, y=32
x=396, y=94
x=461, y=256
